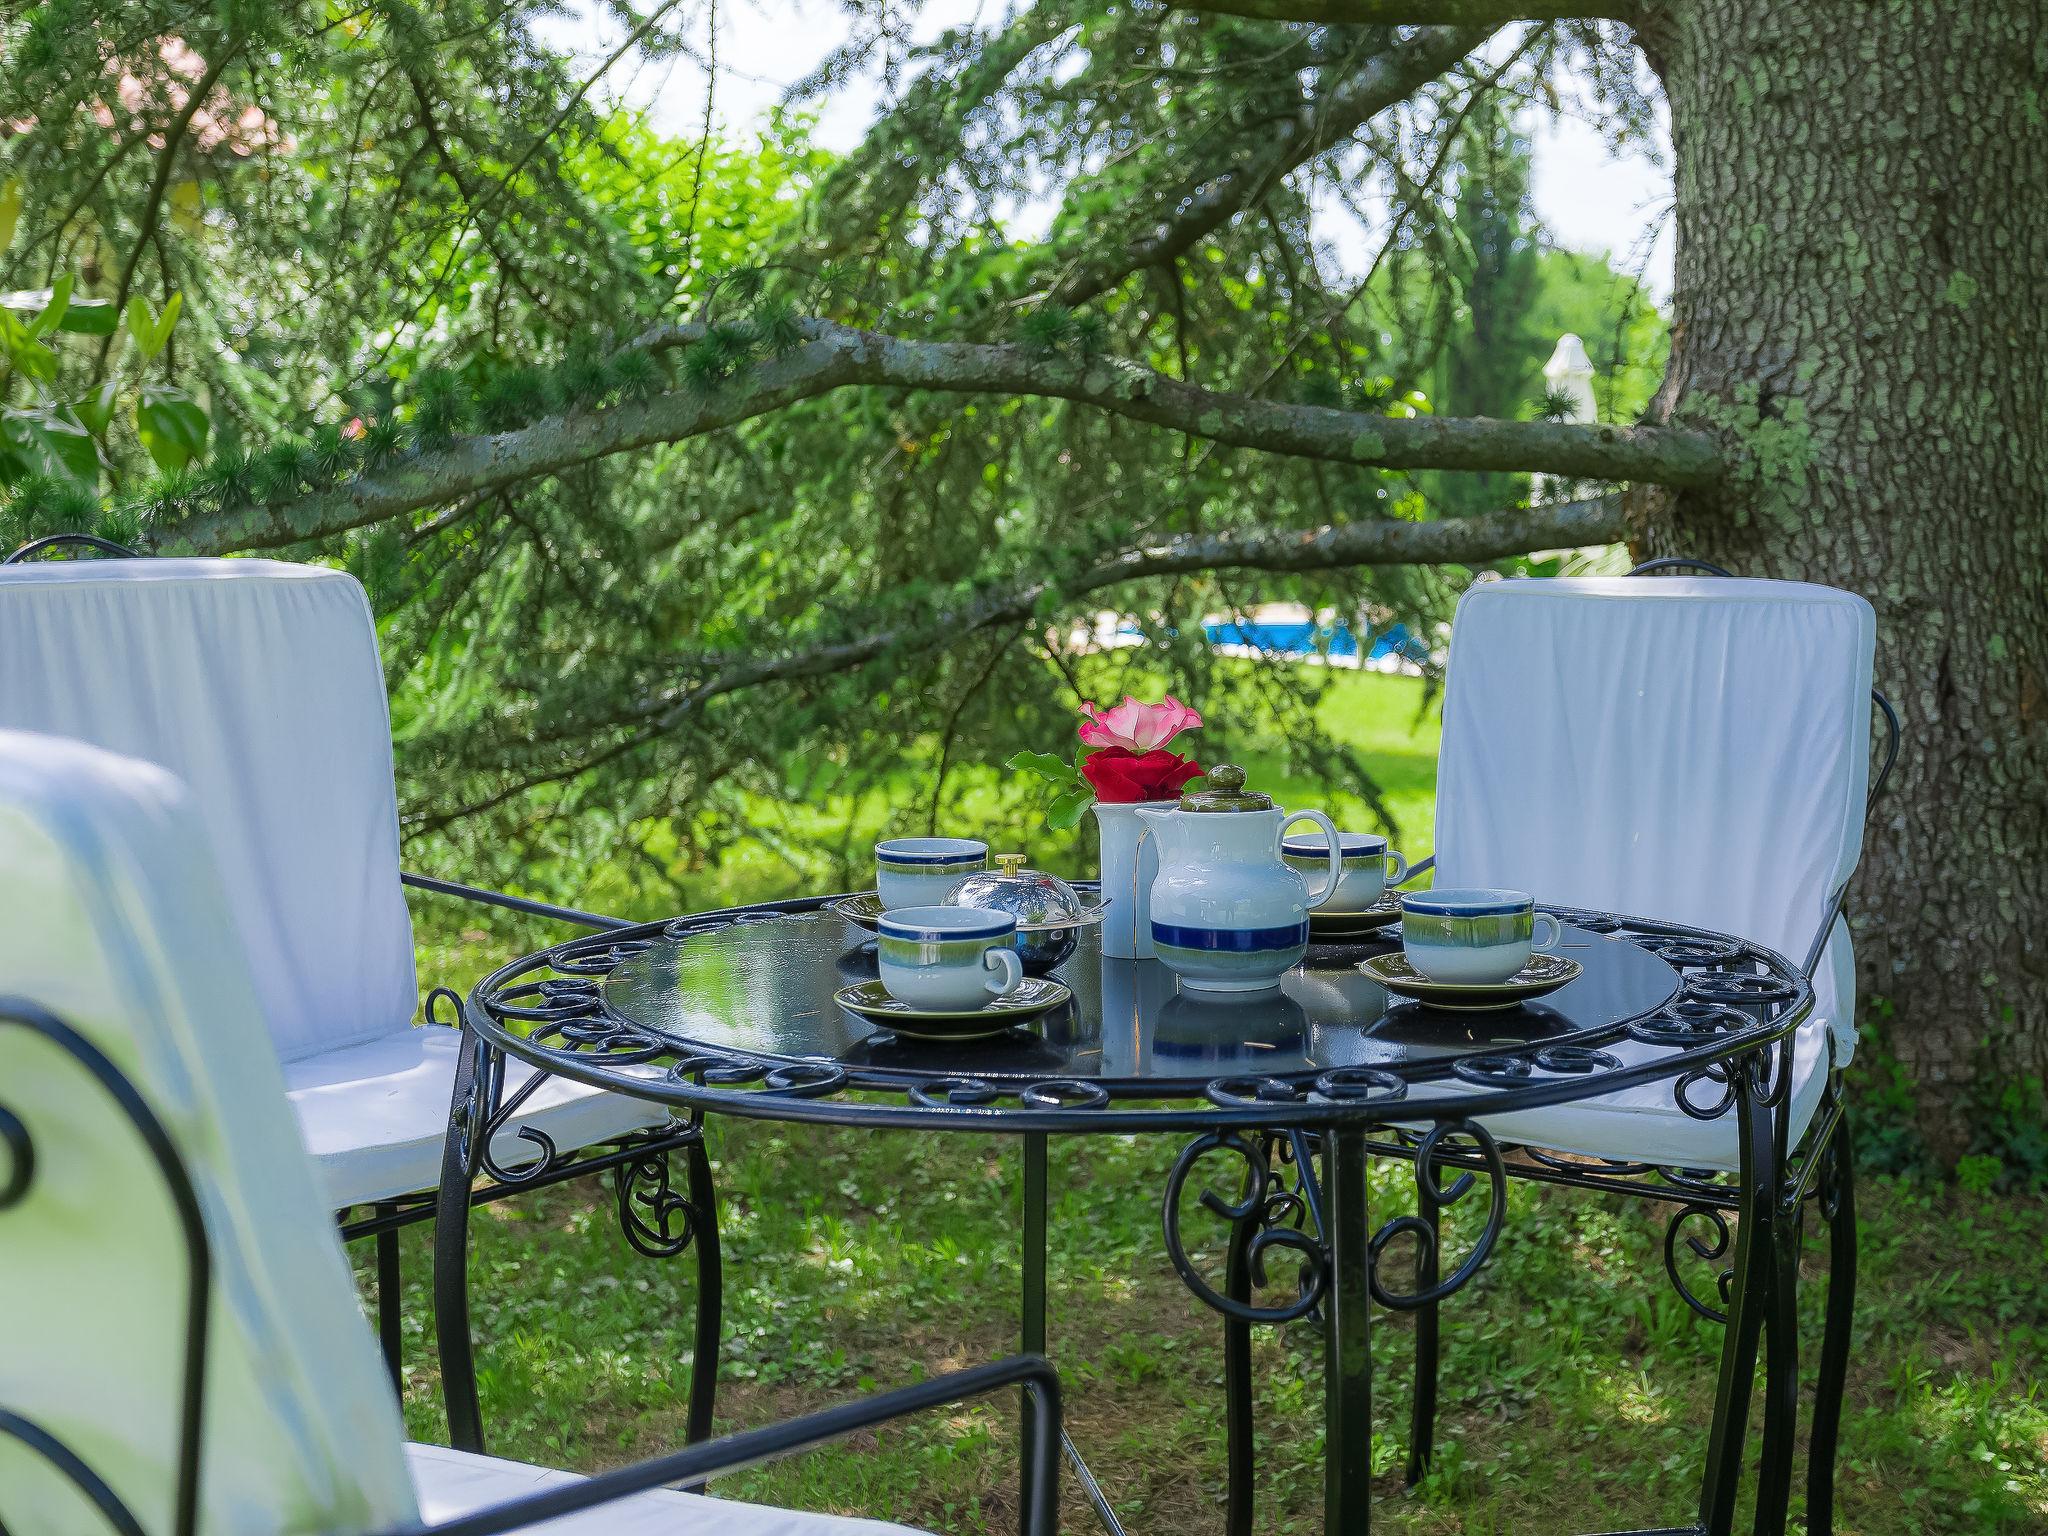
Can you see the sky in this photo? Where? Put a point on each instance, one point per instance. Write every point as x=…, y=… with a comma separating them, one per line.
x=1588, y=197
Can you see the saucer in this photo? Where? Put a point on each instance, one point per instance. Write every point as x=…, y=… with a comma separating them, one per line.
x=865, y=911
x=1345, y=927
x=1543, y=975
x=871, y=1000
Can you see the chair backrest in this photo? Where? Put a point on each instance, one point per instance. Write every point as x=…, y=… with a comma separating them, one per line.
x=258, y=684
x=112, y=918
x=1689, y=748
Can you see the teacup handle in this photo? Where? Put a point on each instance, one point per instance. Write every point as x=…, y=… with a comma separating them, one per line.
x=1538, y=941
x=1397, y=868
x=1004, y=959
x=1332, y=845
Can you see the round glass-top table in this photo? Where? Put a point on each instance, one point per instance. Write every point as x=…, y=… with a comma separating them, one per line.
x=732, y=1013
x=761, y=988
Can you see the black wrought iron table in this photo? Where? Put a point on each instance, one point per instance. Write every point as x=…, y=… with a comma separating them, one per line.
x=731, y=1013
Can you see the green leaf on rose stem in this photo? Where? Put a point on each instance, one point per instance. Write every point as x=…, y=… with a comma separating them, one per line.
x=1045, y=765
x=1068, y=809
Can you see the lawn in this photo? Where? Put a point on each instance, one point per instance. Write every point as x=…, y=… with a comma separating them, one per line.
x=1576, y=1383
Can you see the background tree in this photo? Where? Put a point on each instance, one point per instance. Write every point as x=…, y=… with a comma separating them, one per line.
x=676, y=468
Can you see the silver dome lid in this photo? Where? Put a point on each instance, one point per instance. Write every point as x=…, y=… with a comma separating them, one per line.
x=1034, y=898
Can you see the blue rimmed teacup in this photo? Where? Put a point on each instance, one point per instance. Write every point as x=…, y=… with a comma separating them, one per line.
x=948, y=959
x=1369, y=867
x=1473, y=936
x=918, y=871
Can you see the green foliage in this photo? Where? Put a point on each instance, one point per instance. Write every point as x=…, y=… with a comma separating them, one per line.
x=440, y=230
x=171, y=425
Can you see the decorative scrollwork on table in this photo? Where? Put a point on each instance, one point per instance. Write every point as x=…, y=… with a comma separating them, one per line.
x=656, y=1221
x=1738, y=987
x=1272, y=1212
x=1710, y=1252
x=1686, y=950
x=1436, y=1144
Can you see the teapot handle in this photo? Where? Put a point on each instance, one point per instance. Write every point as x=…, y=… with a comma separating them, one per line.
x=1335, y=848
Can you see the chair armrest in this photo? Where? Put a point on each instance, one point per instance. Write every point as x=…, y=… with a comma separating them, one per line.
x=478, y=894
x=1417, y=869
x=733, y=1453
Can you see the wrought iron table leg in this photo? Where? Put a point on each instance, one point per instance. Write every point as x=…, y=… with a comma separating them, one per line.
x=1033, y=1320
x=1347, y=1355
x=1422, y=1413
x=1749, y=1299
x=710, y=1294
x=1781, y=1377
x=390, y=1301
x=1838, y=1207
x=1237, y=1380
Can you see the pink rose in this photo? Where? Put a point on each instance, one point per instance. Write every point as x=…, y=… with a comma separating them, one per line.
x=1137, y=728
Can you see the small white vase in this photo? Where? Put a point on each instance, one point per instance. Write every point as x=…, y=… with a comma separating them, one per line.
x=1130, y=863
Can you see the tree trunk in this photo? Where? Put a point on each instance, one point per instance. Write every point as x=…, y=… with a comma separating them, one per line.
x=1862, y=302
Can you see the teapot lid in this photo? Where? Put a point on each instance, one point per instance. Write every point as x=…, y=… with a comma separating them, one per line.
x=1226, y=792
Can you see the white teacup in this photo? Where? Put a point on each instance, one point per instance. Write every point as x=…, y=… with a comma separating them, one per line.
x=1473, y=937
x=948, y=959
x=1369, y=867
x=918, y=871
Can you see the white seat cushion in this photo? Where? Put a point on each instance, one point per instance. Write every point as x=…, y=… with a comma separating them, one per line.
x=373, y=1114
x=1645, y=1123
x=451, y=1483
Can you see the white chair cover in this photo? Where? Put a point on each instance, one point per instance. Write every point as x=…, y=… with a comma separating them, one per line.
x=112, y=917
x=1695, y=749
x=257, y=683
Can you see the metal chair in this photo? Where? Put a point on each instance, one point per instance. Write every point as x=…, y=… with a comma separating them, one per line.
x=258, y=683
x=182, y=1350
x=1696, y=749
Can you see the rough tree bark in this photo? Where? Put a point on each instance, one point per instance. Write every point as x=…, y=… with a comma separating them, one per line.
x=1862, y=301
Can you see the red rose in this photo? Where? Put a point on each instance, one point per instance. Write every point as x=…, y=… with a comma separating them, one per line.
x=1123, y=777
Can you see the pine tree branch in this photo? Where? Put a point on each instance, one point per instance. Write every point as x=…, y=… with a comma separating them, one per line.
x=1461, y=541
x=1321, y=123
x=1446, y=541
x=833, y=357
x=1440, y=13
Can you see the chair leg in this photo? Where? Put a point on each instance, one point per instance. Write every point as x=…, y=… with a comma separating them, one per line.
x=390, y=1302
x=1237, y=1382
x=1838, y=1206
x=1422, y=1412
x=452, y=1336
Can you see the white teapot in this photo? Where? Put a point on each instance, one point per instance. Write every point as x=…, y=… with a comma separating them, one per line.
x=1228, y=915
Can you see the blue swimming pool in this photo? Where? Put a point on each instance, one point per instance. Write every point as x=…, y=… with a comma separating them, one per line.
x=1306, y=639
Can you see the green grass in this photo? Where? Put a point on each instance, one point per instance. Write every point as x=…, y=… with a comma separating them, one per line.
x=1577, y=1385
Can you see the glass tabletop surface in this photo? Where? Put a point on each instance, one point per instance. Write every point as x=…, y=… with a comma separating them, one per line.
x=762, y=987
